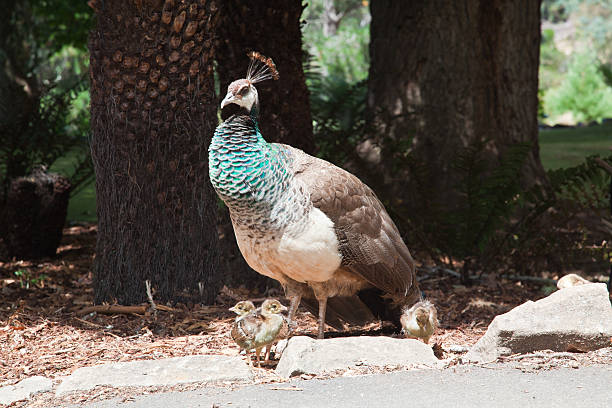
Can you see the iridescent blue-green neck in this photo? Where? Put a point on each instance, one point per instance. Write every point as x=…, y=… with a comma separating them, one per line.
x=247, y=172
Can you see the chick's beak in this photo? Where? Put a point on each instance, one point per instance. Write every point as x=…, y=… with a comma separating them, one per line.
x=284, y=308
x=232, y=309
x=229, y=98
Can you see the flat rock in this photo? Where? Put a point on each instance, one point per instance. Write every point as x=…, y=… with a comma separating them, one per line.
x=575, y=318
x=168, y=371
x=304, y=355
x=24, y=389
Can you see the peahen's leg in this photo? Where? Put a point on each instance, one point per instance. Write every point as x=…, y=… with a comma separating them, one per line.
x=321, y=293
x=295, y=302
x=322, y=308
x=293, y=291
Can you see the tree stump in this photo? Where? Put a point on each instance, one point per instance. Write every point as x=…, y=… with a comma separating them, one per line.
x=33, y=215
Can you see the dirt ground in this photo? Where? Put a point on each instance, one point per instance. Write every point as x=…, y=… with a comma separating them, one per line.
x=45, y=328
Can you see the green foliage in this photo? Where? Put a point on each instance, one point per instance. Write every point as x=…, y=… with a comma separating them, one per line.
x=343, y=53
x=338, y=111
x=43, y=135
x=336, y=36
x=564, y=224
x=61, y=23
x=497, y=225
x=584, y=92
x=26, y=279
x=475, y=231
x=44, y=94
x=552, y=67
x=489, y=195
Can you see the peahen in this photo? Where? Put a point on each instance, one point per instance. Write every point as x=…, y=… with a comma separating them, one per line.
x=312, y=226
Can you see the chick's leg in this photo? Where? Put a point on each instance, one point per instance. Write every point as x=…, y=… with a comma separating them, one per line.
x=267, y=359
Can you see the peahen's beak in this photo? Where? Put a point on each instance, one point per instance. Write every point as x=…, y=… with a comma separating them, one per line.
x=229, y=98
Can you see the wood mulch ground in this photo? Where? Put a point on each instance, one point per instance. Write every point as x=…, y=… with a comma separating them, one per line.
x=44, y=330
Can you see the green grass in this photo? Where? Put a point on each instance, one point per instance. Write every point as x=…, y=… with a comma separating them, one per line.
x=558, y=148
x=82, y=206
x=561, y=148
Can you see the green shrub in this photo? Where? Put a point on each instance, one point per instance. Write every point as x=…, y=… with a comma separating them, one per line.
x=583, y=92
x=344, y=54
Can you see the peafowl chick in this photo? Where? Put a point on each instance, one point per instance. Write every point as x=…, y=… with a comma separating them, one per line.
x=256, y=330
x=420, y=320
x=312, y=226
x=242, y=309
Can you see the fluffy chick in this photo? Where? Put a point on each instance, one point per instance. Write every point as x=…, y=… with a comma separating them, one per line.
x=420, y=320
x=571, y=280
x=258, y=329
x=242, y=309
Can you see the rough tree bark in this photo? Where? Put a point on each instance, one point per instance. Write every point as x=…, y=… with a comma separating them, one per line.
x=445, y=75
x=272, y=28
x=153, y=113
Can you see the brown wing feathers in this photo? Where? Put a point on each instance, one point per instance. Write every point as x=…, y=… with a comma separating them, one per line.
x=370, y=244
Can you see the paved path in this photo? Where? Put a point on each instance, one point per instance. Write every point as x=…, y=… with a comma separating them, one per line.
x=461, y=387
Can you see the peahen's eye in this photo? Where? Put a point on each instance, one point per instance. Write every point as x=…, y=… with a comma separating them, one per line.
x=243, y=91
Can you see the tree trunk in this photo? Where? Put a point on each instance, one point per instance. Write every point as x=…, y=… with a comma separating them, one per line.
x=272, y=28
x=446, y=75
x=33, y=216
x=153, y=113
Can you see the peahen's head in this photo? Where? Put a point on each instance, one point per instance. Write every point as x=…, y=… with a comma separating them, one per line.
x=242, y=92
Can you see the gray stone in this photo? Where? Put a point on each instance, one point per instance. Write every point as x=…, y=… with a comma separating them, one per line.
x=304, y=355
x=24, y=389
x=168, y=371
x=575, y=318
x=457, y=348
x=280, y=347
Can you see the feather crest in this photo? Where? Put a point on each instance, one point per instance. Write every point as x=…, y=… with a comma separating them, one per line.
x=261, y=68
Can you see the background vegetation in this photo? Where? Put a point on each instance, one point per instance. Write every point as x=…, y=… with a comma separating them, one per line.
x=45, y=44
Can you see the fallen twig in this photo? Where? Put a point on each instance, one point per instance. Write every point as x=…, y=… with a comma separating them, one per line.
x=112, y=309
x=88, y=323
